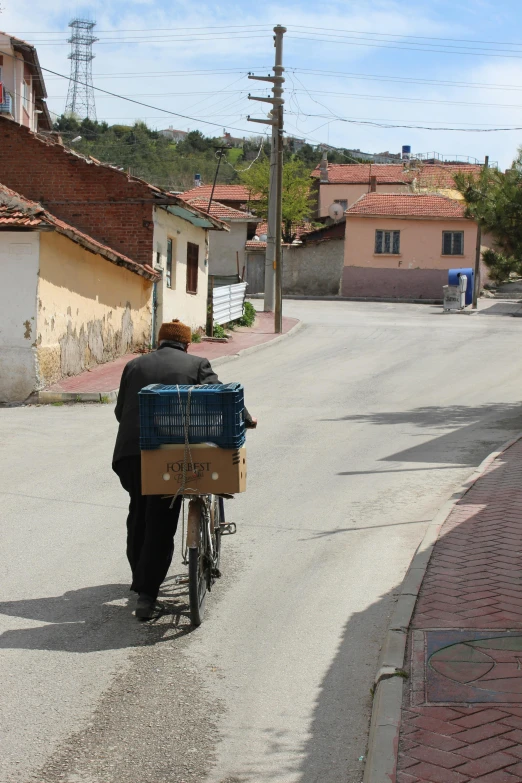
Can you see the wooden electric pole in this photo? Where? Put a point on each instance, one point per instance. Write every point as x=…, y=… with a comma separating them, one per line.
x=273, y=259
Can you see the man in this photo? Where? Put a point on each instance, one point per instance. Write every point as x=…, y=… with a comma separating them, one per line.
x=152, y=523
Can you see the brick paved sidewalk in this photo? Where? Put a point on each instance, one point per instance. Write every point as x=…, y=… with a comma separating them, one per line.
x=106, y=377
x=462, y=708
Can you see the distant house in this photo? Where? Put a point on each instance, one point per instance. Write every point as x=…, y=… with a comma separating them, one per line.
x=402, y=245
x=235, y=196
x=227, y=255
x=67, y=302
x=344, y=183
x=22, y=87
x=127, y=214
x=231, y=141
x=293, y=143
x=173, y=135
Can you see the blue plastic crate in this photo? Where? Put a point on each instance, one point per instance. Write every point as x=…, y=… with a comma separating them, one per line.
x=217, y=415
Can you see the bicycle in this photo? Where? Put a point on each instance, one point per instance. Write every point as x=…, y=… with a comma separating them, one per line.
x=205, y=526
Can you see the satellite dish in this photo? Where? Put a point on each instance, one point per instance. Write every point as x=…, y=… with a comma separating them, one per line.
x=336, y=211
x=263, y=237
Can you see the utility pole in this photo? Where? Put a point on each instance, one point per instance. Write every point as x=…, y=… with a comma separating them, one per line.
x=273, y=270
x=220, y=151
x=476, y=277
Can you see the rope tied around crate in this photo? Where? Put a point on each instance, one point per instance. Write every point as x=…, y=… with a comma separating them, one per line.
x=187, y=452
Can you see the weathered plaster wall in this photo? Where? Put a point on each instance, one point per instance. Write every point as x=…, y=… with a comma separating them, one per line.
x=223, y=247
x=315, y=269
x=90, y=311
x=175, y=302
x=18, y=286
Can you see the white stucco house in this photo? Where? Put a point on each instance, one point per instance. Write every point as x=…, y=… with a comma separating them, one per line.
x=227, y=256
x=183, y=235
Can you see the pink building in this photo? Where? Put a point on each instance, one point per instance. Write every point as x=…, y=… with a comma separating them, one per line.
x=22, y=93
x=344, y=183
x=402, y=245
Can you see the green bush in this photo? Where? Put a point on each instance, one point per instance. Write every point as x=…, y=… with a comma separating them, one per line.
x=249, y=315
x=219, y=331
x=196, y=337
x=500, y=266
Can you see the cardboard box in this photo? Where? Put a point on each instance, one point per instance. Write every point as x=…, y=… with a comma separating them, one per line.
x=211, y=471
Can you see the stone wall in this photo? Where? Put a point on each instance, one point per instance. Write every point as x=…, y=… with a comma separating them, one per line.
x=313, y=269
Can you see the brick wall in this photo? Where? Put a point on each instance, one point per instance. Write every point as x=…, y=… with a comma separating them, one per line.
x=93, y=198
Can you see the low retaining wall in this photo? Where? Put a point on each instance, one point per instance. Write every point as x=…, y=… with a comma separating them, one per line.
x=394, y=283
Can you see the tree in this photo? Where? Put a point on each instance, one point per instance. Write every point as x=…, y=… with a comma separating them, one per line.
x=494, y=200
x=296, y=192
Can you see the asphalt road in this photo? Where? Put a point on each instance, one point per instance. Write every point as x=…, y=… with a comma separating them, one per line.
x=369, y=418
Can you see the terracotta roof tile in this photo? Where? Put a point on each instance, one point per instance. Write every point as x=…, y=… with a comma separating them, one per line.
x=221, y=193
x=407, y=205
x=19, y=212
x=396, y=173
x=358, y=173
x=219, y=210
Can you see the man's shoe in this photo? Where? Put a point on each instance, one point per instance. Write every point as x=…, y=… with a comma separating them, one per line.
x=145, y=607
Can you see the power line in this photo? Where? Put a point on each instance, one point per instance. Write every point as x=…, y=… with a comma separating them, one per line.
x=399, y=99
x=365, y=96
x=149, y=106
x=404, y=48
x=336, y=31
x=269, y=27
x=309, y=71
x=392, y=124
x=170, y=39
x=146, y=29
x=406, y=80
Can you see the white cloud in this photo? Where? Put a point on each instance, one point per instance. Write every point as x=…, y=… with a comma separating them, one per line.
x=241, y=51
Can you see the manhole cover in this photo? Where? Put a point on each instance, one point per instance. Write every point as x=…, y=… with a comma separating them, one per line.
x=473, y=666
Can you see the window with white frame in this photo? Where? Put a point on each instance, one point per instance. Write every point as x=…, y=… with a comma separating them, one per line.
x=453, y=243
x=343, y=202
x=388, y=242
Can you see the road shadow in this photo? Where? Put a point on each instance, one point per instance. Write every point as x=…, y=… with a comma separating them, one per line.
x=473, y=431
x=502, y=308
x=333, y=751
x=96, y=618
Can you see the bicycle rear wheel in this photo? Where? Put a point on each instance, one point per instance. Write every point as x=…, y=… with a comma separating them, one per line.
x=204, y=558
x=197, y=585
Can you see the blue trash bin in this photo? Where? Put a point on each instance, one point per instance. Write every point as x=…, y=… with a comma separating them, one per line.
x=453, y=279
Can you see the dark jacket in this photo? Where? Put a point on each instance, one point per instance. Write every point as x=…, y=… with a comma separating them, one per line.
x=169, y=365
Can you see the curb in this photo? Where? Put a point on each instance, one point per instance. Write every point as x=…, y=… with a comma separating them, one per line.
x=332, y=298
x=49, y=397
x=255, y=348
x=381, y=760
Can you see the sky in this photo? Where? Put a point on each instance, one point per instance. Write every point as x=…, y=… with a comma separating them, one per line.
x=351, y=68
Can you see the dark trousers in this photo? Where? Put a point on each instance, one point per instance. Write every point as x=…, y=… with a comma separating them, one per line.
x=151, y=526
